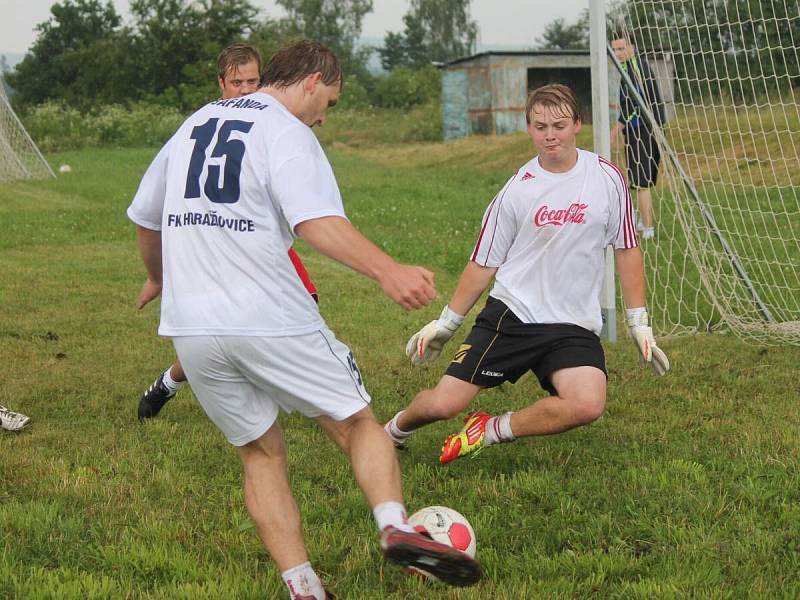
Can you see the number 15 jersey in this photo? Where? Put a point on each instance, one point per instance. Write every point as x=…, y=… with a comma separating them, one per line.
x=226, y=192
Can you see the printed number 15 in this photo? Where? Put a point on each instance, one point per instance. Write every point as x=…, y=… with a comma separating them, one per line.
x=232, y=150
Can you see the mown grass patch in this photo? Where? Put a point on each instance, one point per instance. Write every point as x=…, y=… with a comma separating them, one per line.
x=687, y=487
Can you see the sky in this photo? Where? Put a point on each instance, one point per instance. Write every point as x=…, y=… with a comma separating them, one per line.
x=501, y=23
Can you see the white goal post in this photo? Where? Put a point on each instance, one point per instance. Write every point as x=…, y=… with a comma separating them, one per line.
x=726, y=250
x=19, y=156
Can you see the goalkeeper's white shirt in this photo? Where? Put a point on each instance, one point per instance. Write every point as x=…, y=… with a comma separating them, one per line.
x=226, y=192
x=547, y=232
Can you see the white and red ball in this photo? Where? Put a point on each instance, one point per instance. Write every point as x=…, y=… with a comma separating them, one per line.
x=446, y=526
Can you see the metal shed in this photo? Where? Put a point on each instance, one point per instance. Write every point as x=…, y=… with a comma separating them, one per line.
x=485, y=93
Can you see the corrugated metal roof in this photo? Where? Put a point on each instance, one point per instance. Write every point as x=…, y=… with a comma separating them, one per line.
x=516, y=53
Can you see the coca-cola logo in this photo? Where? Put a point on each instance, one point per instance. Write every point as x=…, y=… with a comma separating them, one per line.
x=575, y=213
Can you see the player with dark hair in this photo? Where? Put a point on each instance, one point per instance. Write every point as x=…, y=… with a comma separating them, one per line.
x=239, y=70
x=239, y=74
x=543, y=241
x=641, y=149
x=223, y=200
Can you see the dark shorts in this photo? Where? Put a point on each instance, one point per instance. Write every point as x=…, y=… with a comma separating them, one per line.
x=502, y=348
x=643, y=157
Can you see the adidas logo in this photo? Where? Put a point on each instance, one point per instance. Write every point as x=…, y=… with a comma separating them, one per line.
x=474, y=432
x=528, y=175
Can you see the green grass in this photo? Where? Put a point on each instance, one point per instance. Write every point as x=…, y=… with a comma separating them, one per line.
x=688, y=487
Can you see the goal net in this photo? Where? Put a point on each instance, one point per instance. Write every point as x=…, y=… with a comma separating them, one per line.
x=726, y=250
x=19, y=156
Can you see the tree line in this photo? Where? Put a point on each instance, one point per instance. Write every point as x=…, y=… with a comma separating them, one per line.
x=85, y=56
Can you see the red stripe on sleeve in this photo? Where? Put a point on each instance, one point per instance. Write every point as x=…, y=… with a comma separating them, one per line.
x=629, y=230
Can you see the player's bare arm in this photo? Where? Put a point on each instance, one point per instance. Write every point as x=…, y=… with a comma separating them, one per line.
x=630, y=268
x=616, y=132
x=410, y=286
x=473, y=282
x=150, y=250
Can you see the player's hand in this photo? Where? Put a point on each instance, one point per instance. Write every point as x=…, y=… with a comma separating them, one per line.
x=150, y=290
x=411, y=287
x=642, y=334
x=426, y=345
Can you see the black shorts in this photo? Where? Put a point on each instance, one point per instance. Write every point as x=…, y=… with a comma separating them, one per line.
x=643, y=157
x=502, y=348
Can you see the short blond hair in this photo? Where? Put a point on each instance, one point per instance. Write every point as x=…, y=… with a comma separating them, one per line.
x=557, y=97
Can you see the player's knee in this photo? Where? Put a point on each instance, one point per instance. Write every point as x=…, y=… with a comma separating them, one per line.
x=589, y=409
x=443, y=410
x=444, y=406
x=346, y=430
x=265, y=450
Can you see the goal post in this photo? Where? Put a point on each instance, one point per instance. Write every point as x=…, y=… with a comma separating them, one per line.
x=602, y=146
x=19, y=156
x=726, y=250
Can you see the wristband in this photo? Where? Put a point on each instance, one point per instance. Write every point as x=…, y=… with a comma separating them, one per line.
x=450, y=319
x=637, y=316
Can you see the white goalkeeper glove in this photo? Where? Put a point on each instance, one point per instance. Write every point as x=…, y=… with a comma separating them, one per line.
x=642, y=334
x=426, y=345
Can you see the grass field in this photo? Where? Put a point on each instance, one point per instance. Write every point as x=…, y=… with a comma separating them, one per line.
x=688, y=487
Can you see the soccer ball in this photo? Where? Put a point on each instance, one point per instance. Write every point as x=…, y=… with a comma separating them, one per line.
x=446, y=526
x=64, y=169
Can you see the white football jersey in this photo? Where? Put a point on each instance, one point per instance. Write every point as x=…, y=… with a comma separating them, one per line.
x=226, y=192
x=547, y=232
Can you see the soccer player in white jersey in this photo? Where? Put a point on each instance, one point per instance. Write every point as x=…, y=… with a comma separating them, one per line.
x=542, y=240
x=216, y=213
x=238, y=74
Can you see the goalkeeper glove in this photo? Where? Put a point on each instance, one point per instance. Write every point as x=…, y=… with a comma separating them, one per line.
x=642, y=334
x=426, y=345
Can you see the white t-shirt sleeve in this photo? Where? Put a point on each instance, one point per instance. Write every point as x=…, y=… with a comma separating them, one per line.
x=148, y=203
x=621, y=231
x=304, y=184
x=498, y=230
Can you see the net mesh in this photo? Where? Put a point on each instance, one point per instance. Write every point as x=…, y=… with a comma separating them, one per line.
x=19, y=157
x=726, y=251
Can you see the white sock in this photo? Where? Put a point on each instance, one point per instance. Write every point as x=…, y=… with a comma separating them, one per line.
x=303, y=581
x=391, y=514
x=172, y=385
x=648, y=233
x=498, y=429
x=398, y=435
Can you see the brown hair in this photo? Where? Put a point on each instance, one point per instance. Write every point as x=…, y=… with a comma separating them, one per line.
x=236, y=55
x=293, y=63
x=621, y=34
x=557, y=97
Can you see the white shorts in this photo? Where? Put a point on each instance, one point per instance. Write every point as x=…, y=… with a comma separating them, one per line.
x=241, y=381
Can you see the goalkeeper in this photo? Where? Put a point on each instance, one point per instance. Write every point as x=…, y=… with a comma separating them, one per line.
x=542, y=240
